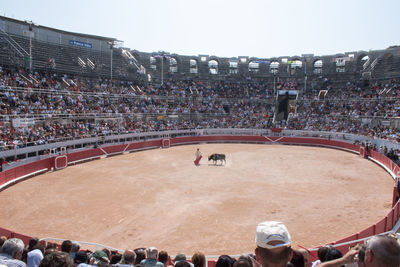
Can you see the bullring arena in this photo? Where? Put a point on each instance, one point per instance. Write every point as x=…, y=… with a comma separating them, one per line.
x=98, y=140
x=159, y=198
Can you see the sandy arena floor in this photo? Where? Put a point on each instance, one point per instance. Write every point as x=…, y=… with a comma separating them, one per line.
x=159, y=198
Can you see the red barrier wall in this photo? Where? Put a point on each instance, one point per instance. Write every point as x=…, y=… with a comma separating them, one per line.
x=114, y=149
x=369, y=231
x=383, y=225
x=2, y=178
x=84, y=154
x=144, y=144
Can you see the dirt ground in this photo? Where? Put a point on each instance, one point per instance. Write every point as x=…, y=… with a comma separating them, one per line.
x=160, y=198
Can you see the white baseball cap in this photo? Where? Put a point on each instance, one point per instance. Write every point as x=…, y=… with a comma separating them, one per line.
x=272, y=231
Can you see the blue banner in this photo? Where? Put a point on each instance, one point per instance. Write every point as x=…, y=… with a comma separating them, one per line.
x=261, y=61
x=81, y=44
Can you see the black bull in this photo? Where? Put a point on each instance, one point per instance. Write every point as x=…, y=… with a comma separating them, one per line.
x=216, y=157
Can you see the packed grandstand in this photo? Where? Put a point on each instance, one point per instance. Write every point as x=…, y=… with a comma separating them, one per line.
x=57, y=86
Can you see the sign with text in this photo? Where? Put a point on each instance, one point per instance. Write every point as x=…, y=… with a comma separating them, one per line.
x=81, y=44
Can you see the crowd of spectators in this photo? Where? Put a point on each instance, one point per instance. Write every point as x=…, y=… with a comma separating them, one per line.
x=273, y=247
x=63, y=107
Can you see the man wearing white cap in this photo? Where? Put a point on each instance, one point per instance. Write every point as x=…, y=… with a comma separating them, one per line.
x=273, y=244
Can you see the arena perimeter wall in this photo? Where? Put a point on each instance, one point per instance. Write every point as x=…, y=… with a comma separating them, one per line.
x=22, y=172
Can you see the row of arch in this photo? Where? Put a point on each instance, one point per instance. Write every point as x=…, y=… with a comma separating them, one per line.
x=253, y=66
x=362, y=62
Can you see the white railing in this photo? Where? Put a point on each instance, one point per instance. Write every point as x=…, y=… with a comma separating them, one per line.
x=96, y=246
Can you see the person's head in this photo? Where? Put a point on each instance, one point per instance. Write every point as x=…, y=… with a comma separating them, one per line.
x=51, y=247
x=333, y=254
x=2, y=240
x=13, y=247
x=382, y=251
x=198, y=259
x=224, y=261
x=152, y=253
x=107, y=251
x=80, y=257
x=163, y=257
x=361, y=255
x=182, y=264
x=56, y=259
x=140, y=255
x=322, y=251
x=75, y=247
x=243, y=261
x=273, y=244
x=32, y=243
x=297, y=258
x=115, y=258
x=180, y=257
x=305, y=255
x=98, y=257
x=66, y=246
x=128, y=257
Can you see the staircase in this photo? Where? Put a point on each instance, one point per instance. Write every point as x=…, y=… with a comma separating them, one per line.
x=11, y=52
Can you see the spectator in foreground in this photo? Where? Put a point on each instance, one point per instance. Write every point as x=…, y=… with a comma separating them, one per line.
x=80, y=257
x=97, y=258
x=297, y=258
x=243, y=261
x=128, y=259
x=199, y=259
x=2, y=240
x=381, y=251
x=305, y=256
x=11, y=253
x=181, y=257
x=116, y=257
x=164, y=258
x=182, y=264
x=32, y=243
x=151, y=260
x=322, y=251
x=225, y=261
x=35, y=256
x=140, y=255
x=51, y=247
x=66, y=246
x=56, y=259
x=273, y=244
x=75, y=247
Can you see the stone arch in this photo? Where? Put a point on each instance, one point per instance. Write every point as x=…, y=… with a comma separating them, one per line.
x=193, y=66
x=318, y=63
x=173, y=65
x=153, y=63
x=296, y=64
x=213, y=66
x=233, y=66
x=274, y=66
x=317, y=66
x=340, y=60
x=254, y=66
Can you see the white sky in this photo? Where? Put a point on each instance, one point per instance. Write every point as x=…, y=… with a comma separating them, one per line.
x=225, y=28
